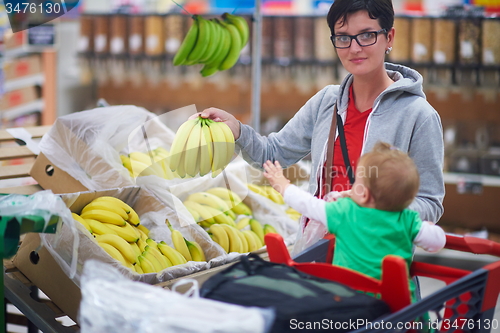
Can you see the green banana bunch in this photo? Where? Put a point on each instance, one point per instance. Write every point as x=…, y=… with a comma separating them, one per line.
x=200, y=146
x=215, y=43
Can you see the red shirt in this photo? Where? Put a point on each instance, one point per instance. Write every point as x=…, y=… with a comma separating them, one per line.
x=354, y=129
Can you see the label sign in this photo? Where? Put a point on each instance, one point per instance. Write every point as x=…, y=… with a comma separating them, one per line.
x=42, y=35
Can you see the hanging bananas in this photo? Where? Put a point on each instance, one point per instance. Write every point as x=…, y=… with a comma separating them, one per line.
x=215, y=43
x=200, y=146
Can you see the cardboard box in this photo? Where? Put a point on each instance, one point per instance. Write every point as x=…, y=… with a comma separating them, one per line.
x=22, y=67
x=18, y=97
x=45, y=273
x=51, y=177
x=40, y=266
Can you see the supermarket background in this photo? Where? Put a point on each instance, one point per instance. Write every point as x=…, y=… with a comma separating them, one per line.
x=90, y=56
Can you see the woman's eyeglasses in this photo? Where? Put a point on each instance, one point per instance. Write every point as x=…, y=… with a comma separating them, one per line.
x=366, y=38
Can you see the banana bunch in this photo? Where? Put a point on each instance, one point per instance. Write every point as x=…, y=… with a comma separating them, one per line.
x=267, y=192
x=215, y=43
x=154, y=162
x=190, y=250
x=200, y=146
x=293, y=214
x=117, y=230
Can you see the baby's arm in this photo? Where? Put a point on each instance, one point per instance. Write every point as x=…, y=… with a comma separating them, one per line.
x=430, y=237
x=302, y=201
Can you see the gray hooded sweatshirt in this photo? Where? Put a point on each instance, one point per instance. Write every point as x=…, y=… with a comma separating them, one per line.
x=401, y=116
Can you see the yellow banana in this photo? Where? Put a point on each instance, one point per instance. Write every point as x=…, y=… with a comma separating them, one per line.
x=151, y=166
x=274, y=195
x=99, y=228
x=243, y=223
x=161, y=152
x=235, y=244
x=220, y=217
x=157, y=264
x=187, y=44
x=205, y=150
x=120, y=244
x=208, y=199
x=225, y=194
x=269, y=229
x=241, y=209
x=209, y=146
x=143, y=229
x=105, y=216
x=258, y=241
x=146, y=265
x=133, y=218
x=220, y=236
x=196, y=251
x=136, y=249
x=114, y=253
x=175, y=257
x=194, y=213
x=251, y=240
x=228, y=135
x=82, y=221
x=179, y=242
x=191, y=160
x=138, y=268
x=153, y=246
x=142, y=243
x=257, y=189
x=101, y=205
x=244, y=243
x=256, y=227
x=205, y=215
x=127, y=232
x=147, y=254
x=231, y=214
x=177, y=149
x=219, y=146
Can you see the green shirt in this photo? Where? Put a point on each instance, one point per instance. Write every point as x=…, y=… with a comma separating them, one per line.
x=364, y=236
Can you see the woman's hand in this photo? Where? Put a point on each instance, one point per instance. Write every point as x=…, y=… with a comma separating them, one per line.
x=221, y=115
x=274, y=173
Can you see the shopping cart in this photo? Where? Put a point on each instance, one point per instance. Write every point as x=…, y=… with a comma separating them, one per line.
x=466, y=304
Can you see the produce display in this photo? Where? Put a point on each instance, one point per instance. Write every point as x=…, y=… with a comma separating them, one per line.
x=215, y=43
x=154, y=162
x=227, y=219
x=273, y=195
x=200, y=146
x=117, y=230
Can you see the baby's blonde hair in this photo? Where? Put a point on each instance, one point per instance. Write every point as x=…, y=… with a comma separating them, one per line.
x=391, y=176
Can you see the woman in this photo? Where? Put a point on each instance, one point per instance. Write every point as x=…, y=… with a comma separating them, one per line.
x=377, y=101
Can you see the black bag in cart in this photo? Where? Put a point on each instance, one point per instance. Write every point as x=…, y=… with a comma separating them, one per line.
x=302, y=302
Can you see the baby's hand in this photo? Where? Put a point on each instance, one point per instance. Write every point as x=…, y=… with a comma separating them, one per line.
x=335, y=195
x=274, y=173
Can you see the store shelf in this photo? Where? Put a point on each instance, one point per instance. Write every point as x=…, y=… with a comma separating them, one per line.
x=31, y=80
x=32, y=107
x=457, y=178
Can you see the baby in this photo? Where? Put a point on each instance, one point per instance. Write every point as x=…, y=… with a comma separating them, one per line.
x=372, y=221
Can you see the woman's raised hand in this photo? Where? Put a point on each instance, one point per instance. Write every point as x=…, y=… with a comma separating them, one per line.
x=221, y=116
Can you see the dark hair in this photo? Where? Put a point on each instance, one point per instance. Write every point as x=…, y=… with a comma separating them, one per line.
x=380, y=10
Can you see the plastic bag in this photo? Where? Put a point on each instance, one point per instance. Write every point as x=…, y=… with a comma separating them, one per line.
x=72, y=245
x=86, y=144
x=111, y=303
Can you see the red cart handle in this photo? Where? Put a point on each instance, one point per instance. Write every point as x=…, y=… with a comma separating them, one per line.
x=472, y=244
